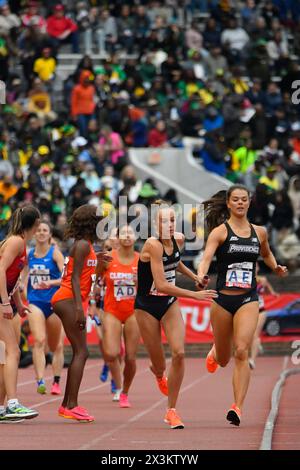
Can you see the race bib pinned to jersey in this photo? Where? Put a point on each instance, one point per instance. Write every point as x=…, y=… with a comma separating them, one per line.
x=124, y=290
x=239, y=275
x=170, y=277
x=38, y=274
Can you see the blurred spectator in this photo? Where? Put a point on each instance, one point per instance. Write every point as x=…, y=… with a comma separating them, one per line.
x=45, y=65
x=158, y=135
x=62, y=29
x=112, y=148
x=66, y=179
x=83, y=102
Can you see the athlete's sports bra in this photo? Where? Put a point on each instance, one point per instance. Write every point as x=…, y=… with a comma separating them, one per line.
x=236, y=261
x=146, y=284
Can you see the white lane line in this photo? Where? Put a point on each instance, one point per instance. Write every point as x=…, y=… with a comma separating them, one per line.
x=138, y=416
x=266, y=441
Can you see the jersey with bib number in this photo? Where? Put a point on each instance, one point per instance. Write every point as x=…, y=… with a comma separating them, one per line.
x=236, y=261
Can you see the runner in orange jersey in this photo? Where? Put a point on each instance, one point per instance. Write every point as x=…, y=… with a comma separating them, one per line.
x=120, y=277
x=71, y=300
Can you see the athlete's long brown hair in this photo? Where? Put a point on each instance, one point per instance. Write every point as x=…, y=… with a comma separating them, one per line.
x=216, y=210
x=22, y=219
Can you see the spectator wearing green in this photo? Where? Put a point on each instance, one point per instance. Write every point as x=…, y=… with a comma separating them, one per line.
x=243, y=159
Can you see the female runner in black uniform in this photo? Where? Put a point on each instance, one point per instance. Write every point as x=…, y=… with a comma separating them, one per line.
x=234, y=314
x=156, y=304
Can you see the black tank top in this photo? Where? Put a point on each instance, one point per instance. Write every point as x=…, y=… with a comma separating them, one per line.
x=236, y=261
x=146, y=285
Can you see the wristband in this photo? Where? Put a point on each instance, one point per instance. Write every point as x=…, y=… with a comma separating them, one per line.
x=5, y=305
x=92, y=302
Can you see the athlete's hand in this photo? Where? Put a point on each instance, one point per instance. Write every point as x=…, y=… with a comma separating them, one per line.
x=80, y=319
x=205, y=294
x=281, y=271
x=92, y=311
x=202, y=282
x=103, y=257
x=7, y=311
x=23, y=310
x=44, y=285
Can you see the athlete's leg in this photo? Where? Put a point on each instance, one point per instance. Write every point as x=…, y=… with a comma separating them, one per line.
x=150, y=329
x=175, y=332
x=17, y=327
x=112, y=332
x=65, y=309
x=244, y=325
x=12, y=357
x=222, y=325
x=2, y=362
x=2, y=386
x=131, y=337
x=256, y=340
x=37, y=323
x=55, y=342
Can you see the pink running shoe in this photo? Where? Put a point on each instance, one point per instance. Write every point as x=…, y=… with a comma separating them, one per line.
x=124, y=402
x=55, y=389
x=78, y=414
x=61, y=411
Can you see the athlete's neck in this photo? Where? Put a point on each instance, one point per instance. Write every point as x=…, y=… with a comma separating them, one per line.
x=42, y=248
x=240, y=222
x=126, y=251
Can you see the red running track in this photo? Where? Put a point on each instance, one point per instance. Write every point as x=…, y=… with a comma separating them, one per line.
x=203, y=403
x=286, y=435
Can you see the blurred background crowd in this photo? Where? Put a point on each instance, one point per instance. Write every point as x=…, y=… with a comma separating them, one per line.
x=149, y=74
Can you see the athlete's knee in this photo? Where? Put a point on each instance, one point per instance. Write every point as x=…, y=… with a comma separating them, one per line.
x=40, y=343
x=178, y=355
x=58, y=349
x=83, y=353
x=110, y=356
x=241, y=352
x=13, y=352
x=130, y=359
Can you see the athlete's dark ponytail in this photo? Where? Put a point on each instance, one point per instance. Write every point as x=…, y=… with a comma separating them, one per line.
x=216, y=210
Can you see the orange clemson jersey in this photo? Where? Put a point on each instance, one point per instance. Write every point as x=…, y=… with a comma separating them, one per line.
x=121, y=283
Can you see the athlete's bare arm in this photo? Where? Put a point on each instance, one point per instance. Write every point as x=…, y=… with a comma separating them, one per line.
x=266, y=253
x=81, y=250
x=215, y=239
x=181, y=268
x=155, y=250
x=12, y=248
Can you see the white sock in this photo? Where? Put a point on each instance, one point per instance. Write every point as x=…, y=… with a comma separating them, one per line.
x=2, y=408
x=13, y=402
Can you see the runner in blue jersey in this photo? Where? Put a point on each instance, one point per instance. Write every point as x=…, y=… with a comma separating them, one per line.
x=45, y=265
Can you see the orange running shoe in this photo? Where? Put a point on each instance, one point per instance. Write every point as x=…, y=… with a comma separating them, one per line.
x=234, y=415
x=211, y=363
x=173, y=419
x=61, y=411
x=162, y=383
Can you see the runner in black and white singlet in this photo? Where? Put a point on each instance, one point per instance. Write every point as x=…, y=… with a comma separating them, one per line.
x=234, y=314
x=156, y=305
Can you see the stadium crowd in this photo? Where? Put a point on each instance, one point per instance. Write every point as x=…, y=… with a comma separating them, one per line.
x=219, y=71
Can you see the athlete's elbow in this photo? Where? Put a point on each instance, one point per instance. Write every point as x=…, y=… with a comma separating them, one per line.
x=162, y=287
